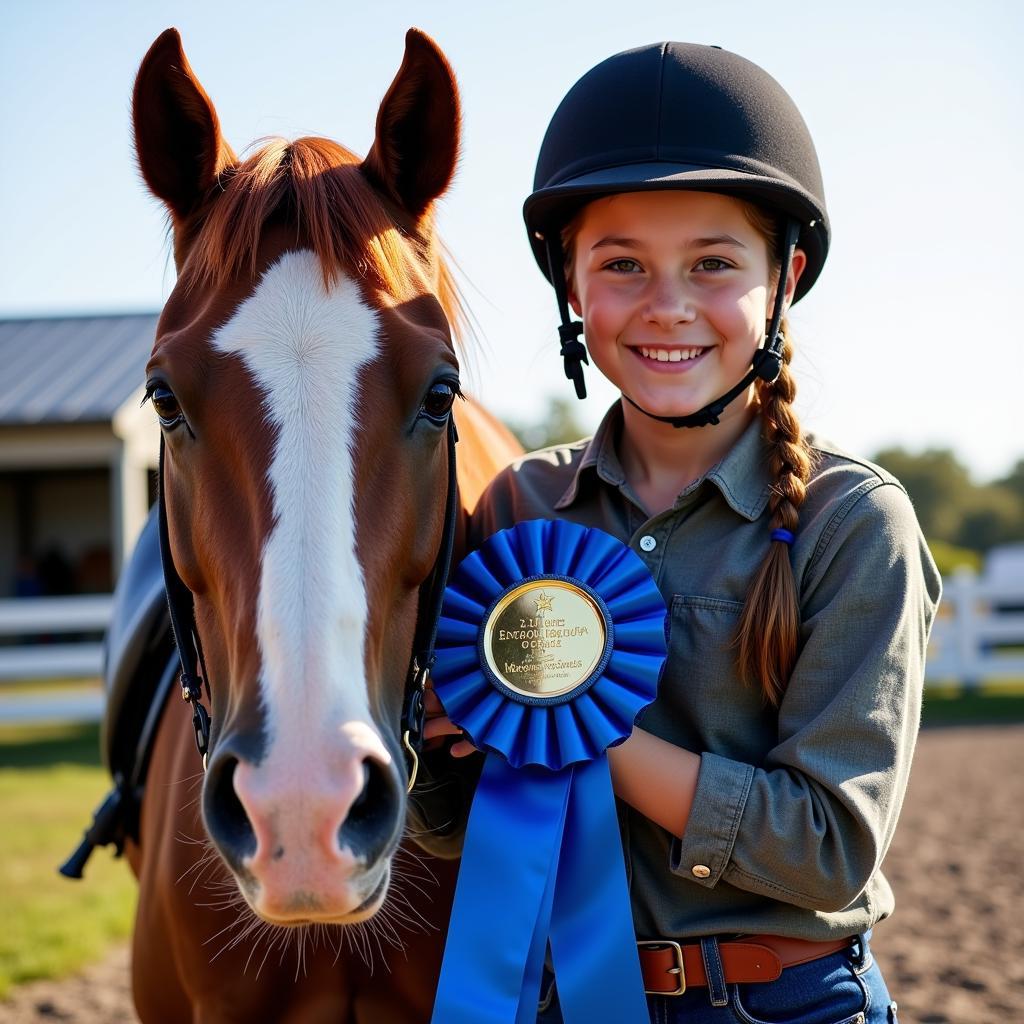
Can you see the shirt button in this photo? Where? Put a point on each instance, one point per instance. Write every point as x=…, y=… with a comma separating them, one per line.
x=648, y=543
x=701, y=870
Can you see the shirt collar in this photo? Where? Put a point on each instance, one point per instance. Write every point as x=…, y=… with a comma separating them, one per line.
x=601, y=455
x=742, y=477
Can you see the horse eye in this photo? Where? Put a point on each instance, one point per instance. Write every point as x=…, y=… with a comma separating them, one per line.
x=166, y=405
x=440, y=398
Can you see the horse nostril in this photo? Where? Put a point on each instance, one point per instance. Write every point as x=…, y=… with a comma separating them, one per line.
x=226, y=819
x=364, y=793
x=370, y=816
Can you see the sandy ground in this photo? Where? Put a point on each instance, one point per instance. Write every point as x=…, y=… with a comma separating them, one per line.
x=99, y=995
x=951, y=953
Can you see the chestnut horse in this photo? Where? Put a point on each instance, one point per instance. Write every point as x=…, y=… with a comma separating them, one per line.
x=303, y=373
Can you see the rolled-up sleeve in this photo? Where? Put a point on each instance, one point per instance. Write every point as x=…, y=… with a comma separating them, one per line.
x=810, y=824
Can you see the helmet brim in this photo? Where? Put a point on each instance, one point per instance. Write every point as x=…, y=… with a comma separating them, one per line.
x=550, y=209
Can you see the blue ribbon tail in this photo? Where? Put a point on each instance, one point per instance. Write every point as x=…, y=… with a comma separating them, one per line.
x=529, y=998
x=502, y=911
x=593, y=943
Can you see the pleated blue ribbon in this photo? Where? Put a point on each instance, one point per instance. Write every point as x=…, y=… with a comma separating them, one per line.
x=542, y=859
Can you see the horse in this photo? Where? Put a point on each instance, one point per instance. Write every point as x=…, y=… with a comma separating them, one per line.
x=304, y=374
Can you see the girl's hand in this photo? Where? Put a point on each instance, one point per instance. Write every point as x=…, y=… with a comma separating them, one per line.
x=439, y=725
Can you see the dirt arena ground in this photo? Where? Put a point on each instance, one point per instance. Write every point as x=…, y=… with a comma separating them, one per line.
x=951, y=953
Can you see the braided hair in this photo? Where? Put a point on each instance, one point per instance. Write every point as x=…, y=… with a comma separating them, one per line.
x=768, y=633
x=769, y=628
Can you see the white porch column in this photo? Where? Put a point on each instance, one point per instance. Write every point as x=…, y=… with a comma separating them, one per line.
x=138, y=452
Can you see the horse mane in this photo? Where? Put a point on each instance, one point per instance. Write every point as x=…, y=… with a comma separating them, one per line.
x=317, y=185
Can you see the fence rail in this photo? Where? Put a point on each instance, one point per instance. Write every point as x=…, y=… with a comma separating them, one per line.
x=37, y=618
x=978, y=635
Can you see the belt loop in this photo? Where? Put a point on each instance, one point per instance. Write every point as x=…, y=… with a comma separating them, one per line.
x=860, y=950
x=714, y=971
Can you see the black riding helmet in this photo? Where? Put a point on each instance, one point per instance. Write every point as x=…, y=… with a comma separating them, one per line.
x=670, y=116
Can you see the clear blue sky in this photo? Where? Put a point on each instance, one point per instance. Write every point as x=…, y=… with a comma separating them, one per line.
x=912, y=335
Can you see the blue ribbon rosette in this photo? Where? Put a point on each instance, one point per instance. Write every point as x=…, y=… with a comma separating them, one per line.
x=550, y=643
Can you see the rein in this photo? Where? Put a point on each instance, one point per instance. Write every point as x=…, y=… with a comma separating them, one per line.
x=181, y=607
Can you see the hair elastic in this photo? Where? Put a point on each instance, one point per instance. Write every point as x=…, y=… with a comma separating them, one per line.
x=785, y=536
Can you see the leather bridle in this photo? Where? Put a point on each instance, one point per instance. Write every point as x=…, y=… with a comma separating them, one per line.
x=181, y=606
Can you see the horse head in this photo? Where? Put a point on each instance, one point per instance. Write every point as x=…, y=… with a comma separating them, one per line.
x=303, y=374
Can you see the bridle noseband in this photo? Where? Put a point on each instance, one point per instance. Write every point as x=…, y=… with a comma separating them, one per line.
x=181, y=606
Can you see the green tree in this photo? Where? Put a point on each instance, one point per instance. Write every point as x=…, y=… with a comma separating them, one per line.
x=1014, y=480
x=949, y=557
x=994, y=515
x=558, y=425
x=951, y=508
x=938, y=484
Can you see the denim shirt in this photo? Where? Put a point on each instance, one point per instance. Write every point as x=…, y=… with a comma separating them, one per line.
x=795, y=806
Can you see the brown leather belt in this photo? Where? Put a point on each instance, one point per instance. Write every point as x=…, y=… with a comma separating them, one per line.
x=670, y=968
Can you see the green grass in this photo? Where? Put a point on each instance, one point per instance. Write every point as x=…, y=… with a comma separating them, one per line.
x=50, y=781
x=952, y=705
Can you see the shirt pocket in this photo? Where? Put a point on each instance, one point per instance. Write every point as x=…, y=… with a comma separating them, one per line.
x=702, y=703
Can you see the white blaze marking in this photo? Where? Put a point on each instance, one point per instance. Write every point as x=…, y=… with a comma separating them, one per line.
x=305, y=347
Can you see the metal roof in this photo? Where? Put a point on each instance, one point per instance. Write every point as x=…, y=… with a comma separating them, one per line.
x=78, y=369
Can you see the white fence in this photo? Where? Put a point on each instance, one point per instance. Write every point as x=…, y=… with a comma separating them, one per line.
x=978, y=635
x=35, y=617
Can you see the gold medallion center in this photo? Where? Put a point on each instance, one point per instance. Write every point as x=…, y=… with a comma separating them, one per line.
x=544, y=638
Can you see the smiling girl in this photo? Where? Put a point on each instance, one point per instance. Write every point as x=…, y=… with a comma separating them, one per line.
x=678, y=211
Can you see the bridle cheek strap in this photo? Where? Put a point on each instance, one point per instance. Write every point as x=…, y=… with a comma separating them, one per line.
x=181, y=607
x=431, y=597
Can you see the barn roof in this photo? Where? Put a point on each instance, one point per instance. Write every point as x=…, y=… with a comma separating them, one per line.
x=78, y=369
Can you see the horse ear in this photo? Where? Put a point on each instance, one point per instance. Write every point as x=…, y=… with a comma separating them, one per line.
x=414, y=153
x=177, y=133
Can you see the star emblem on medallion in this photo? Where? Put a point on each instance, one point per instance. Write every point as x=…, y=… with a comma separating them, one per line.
x=543, y=602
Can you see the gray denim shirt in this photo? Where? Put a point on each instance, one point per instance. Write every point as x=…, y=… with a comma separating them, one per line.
x=795, y=806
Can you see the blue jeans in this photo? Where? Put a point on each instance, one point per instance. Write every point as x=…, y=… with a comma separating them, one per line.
x=844, y=988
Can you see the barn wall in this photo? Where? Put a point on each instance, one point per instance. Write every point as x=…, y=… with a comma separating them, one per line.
x=56, y=529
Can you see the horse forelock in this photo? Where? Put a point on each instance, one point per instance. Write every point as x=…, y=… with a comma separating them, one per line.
x=317, y=186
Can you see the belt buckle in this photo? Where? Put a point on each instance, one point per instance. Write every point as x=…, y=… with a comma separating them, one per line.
x=679, y=969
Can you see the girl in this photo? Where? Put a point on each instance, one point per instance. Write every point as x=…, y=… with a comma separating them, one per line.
x=678, y=210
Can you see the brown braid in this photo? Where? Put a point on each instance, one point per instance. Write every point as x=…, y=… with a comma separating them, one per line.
x=769, y=627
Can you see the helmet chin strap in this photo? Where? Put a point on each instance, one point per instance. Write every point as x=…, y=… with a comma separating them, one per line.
x=766, y=364
x=573, y=351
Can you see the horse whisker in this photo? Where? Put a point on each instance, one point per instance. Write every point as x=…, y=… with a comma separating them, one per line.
x=233, y=924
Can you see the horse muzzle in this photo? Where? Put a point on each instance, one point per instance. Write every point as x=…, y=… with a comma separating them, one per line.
x=308, y=833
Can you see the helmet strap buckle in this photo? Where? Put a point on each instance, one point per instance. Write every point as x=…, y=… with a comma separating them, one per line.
x=768, y=364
